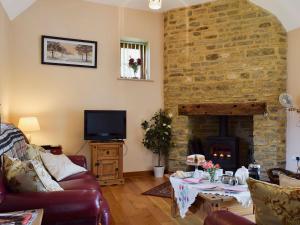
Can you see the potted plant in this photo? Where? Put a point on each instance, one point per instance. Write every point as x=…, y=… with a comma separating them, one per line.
x=158, y=134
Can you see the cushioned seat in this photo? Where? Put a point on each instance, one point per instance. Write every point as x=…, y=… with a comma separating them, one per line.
x=81, y=176
x=80, y=184
x=226, y=218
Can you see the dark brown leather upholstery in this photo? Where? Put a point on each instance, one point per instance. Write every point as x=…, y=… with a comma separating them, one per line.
x=273, y=174
x=226, y=218
x=81, y=202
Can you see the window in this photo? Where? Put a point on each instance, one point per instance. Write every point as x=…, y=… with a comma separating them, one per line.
x=134, y=60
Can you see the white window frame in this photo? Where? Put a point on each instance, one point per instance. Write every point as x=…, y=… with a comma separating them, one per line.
x=146, y=60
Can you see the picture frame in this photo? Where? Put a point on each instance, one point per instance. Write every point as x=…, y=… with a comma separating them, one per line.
x=69, y=52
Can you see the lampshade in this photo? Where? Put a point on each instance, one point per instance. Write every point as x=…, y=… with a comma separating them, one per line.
x=155, y=4
x=29, y=124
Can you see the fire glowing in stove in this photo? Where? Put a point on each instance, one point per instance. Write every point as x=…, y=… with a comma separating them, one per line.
x=222, y=155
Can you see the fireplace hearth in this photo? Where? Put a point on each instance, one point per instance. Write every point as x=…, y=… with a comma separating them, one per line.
x=223, y=149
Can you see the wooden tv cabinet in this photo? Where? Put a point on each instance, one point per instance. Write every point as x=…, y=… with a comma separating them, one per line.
x=107, y=162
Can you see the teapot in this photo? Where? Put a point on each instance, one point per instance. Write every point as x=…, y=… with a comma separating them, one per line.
x=242, y=175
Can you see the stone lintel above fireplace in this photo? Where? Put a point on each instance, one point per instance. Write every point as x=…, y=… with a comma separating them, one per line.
x=224, y=109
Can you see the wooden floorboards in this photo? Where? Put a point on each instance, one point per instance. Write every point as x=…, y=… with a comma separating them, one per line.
x=129, y=207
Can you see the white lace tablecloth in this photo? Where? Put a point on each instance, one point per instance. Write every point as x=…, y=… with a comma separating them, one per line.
x=186, y=194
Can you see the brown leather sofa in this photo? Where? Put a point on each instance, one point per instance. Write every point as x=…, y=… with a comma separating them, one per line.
x=81, y=202
x=226, y=218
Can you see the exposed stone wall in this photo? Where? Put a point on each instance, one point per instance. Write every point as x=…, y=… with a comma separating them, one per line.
x=222, y=52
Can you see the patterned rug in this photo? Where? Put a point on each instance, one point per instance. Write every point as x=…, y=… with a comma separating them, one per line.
x=162, y=190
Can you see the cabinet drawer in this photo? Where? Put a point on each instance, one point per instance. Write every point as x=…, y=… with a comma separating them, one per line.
x=108, y=153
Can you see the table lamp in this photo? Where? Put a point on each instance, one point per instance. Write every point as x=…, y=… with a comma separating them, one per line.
x=29, y=125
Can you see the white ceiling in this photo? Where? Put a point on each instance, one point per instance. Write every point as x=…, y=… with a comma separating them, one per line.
x=143, y=4
x=14, y=8
x=287, y=11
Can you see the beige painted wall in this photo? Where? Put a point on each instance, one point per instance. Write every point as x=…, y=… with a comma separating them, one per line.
x=58, y=95
x=4, y=64
x=293, y=131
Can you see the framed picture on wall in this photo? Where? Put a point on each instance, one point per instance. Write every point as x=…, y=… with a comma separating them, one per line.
x=69, y=52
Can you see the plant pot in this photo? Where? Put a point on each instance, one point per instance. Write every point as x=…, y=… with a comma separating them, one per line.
x=159, y=171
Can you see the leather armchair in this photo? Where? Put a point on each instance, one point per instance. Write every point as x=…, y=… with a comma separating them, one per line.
x=273, y=174
x=226, y=218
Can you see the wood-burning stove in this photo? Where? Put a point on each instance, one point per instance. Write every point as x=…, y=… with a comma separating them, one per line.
x=223, y=149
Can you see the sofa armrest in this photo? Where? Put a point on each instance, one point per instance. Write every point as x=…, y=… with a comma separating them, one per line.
x=226, y=218
x=66, y=204
x=79, y=160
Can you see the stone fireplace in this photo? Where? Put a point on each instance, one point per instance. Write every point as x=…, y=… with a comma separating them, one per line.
x=239, y=135
x=224, y=131
x=226, y=52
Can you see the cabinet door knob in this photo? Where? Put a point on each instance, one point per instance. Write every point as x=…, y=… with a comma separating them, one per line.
x=117, y=169
x=97, y=163
x=107, y=153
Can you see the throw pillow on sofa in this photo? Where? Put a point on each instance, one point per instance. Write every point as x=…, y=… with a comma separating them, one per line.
x=33, y=152
x=275, y=205
x=60, y=166
x=28, y=176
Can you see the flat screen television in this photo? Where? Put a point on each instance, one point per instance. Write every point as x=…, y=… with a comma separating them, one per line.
x=104, y=125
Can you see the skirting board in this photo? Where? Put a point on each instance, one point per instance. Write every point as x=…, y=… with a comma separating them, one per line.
x=140, y=173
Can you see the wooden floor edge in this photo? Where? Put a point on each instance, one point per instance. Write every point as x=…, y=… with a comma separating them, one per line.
x=138, y=174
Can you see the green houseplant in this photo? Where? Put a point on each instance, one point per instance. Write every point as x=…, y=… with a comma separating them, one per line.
x=157, y=137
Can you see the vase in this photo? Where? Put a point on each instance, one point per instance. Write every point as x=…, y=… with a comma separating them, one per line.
x=212, y=176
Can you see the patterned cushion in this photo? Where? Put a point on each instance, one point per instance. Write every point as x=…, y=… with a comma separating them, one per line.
x=12, y=141
x=286, y=181
x=275, y=205
x=28, y=176
x=33, y=152
x=45, y=177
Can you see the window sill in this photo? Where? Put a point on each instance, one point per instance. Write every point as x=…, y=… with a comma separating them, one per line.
x=140, y=80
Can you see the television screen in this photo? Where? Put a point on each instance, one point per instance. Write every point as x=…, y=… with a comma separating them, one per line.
x=104, y=125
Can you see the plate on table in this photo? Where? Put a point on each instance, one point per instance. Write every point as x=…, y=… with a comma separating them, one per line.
x=235, y=189
x=183, y=175
x=207, y=187
x=192, y=180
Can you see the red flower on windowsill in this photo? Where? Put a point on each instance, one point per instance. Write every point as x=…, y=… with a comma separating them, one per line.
x=134, y=64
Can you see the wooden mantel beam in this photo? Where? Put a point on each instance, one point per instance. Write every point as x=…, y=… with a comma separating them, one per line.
x=227, y=109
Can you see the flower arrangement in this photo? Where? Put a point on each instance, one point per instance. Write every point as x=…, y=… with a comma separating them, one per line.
x=158, y=134
x=135, y=64
x=211, y=169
